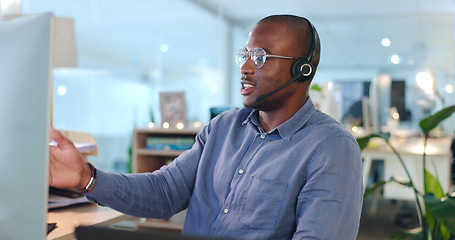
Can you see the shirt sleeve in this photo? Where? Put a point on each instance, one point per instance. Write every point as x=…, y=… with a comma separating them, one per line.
x=159, y=194
x=329, y=205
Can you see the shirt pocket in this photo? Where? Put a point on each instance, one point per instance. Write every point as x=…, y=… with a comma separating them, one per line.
x=261, y=203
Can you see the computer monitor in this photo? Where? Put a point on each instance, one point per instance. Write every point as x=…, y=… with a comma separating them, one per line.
x=25, y=78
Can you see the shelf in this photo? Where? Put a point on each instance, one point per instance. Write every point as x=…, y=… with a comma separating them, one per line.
x=164, y=153
x=168, y=131
x=148, y=160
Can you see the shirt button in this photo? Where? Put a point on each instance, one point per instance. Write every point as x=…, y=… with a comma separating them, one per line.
x=241, y=171
x=262, y=136
x=226, y=210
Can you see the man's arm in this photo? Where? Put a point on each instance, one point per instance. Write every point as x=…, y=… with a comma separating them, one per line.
x=330, y=203
x=159, y=194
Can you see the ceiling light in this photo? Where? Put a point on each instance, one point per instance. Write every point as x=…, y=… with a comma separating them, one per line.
x=395, y=59
x=425, y=81
x=164, y=48
x=385, y=42
x=61, y=90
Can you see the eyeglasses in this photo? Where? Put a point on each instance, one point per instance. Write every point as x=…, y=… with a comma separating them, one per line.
x=258, y=57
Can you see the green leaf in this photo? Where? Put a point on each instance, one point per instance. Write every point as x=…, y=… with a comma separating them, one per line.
x=429, y=123
x=444, y=232
x=363, y=141
x=449, y=224
x=436, y=225
x=316, y=87
x=414, y=234
x=384, y=135
x=442, y=209
x=373, y=187
x=433, y=186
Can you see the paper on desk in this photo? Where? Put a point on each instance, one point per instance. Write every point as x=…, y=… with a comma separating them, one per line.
x=82, y=147
x=56, y=201
x=85, y=147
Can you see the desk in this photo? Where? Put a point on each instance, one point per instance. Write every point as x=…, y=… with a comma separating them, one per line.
x=411, y=150
x=69, y=218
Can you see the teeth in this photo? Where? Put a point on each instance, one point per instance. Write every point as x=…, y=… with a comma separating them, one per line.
x=246, y=85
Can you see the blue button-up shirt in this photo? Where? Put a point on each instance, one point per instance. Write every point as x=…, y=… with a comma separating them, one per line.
x=301, y=180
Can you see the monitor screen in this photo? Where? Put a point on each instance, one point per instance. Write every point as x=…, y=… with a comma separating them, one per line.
x=25, y=78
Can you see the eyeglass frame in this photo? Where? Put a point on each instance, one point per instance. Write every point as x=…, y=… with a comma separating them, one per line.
x=250, y=53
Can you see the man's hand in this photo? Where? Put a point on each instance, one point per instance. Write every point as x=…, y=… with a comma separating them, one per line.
x=67, y=167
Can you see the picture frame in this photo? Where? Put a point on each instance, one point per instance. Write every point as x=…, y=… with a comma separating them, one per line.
x=173, y=107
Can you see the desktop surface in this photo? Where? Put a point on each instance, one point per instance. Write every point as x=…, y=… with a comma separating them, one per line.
x=68, y=218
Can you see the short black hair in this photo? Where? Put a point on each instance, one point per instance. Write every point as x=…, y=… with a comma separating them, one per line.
x=300, y=28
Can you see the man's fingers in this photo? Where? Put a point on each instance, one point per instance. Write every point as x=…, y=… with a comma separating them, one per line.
x=59, y=138
x=56, y=136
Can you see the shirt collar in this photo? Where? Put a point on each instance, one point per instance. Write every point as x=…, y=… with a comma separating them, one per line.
x=291, y=126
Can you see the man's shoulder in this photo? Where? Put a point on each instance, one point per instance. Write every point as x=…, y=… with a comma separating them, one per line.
x=232, y=118
x=327, y=125
x=328, y=135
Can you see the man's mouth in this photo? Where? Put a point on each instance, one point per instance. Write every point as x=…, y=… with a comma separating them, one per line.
x=247, y=88
x=247, y=85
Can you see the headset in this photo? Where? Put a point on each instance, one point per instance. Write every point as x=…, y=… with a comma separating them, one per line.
x=304, y=64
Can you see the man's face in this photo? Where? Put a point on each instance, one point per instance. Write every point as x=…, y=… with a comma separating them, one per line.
x=274, y=39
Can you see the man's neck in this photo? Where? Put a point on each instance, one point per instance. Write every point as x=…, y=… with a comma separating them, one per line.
x=271, y=119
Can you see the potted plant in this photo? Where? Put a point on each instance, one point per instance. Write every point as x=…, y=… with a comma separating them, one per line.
x=436, y=209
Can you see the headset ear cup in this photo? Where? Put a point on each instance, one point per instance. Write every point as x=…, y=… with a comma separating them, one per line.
x=300, y=66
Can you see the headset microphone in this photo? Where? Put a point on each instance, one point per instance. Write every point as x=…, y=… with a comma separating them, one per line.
x=262, y=97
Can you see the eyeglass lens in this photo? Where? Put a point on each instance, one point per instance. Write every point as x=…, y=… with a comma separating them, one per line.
x=258, y=57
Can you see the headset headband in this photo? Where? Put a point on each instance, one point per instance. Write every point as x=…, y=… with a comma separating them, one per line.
x=313, y=42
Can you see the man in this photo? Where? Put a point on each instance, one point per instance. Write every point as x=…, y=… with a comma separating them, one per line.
x=276, y=169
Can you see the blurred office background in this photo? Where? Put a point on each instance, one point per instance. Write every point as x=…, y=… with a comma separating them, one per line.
x=389, y=53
